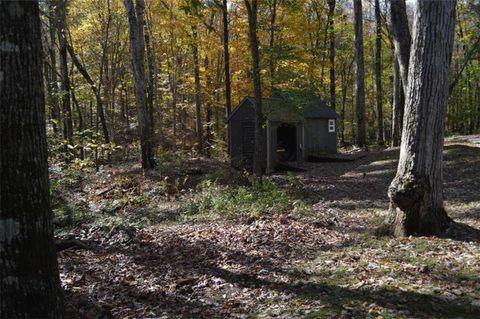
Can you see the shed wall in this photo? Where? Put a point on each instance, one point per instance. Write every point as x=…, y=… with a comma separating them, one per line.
x=317, y=138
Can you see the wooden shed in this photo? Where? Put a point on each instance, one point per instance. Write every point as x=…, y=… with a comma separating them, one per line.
x=297, y=127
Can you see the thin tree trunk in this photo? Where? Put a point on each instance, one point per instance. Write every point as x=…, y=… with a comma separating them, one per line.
x=30, y=283
x=80, y=122
x=360, y=137
x=151, y=77
x=416, y=193
x=64, y=78
x=378, y=75
x=137, y=49
x=331, y=31
x=271, y=61
x=52, y=85
x=95, y=89
x=198, y=91
x=228, y=89
x=252, y=27
x=344, y=102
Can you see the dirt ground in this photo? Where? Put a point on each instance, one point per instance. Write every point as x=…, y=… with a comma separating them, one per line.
x=325, y=264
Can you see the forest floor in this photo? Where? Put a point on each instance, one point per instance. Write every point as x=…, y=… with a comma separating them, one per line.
x=167, y=244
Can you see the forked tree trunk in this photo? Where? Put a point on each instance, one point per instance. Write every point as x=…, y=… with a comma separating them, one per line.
x=416, y=199
x=378, y=74
x=360, y=138
x=252, y=28
x=401, y=37
x=29, y=280
x=398, y=105
x=135, y=16
x=402, y=43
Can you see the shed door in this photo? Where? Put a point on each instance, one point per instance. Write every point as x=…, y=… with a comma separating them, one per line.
x=248, y=141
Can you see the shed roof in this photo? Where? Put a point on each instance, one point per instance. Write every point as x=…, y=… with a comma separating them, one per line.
x=291, y=107
x=279, y=110
x=310, y=112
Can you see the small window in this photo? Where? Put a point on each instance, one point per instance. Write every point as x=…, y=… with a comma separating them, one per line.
x=331, y=126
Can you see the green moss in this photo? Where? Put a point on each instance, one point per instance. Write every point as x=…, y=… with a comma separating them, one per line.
x=408, y=185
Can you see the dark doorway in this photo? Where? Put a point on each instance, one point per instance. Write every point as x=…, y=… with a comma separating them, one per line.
x=287, y=143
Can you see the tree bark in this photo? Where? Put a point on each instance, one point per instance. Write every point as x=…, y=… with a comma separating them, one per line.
x=228, y=89
x=30, y=283
x=401, y=37
x=198, y=91
x=378, y=74
x=360, y=138
x=416, y=198
x=398, y=105
x=331, y=31
x=252, y=28
x=135, y=17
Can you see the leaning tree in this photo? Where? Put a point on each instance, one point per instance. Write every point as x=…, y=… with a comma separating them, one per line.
x=416, y=199
x=29, y=280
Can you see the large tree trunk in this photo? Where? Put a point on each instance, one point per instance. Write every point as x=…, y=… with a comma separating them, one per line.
x=398, y=105
x=416, y=198
x=30, y=284
x=331, y=31
x=252, y=27
x=198, y=91
x=64, y=77
x=378, y=74
x=401, y=37
x=137, y=49
x=360, y=138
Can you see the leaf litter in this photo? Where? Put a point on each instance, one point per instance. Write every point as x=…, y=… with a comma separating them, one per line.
x=325, y=264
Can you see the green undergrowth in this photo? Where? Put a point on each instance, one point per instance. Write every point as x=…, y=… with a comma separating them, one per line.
x=213, y=200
